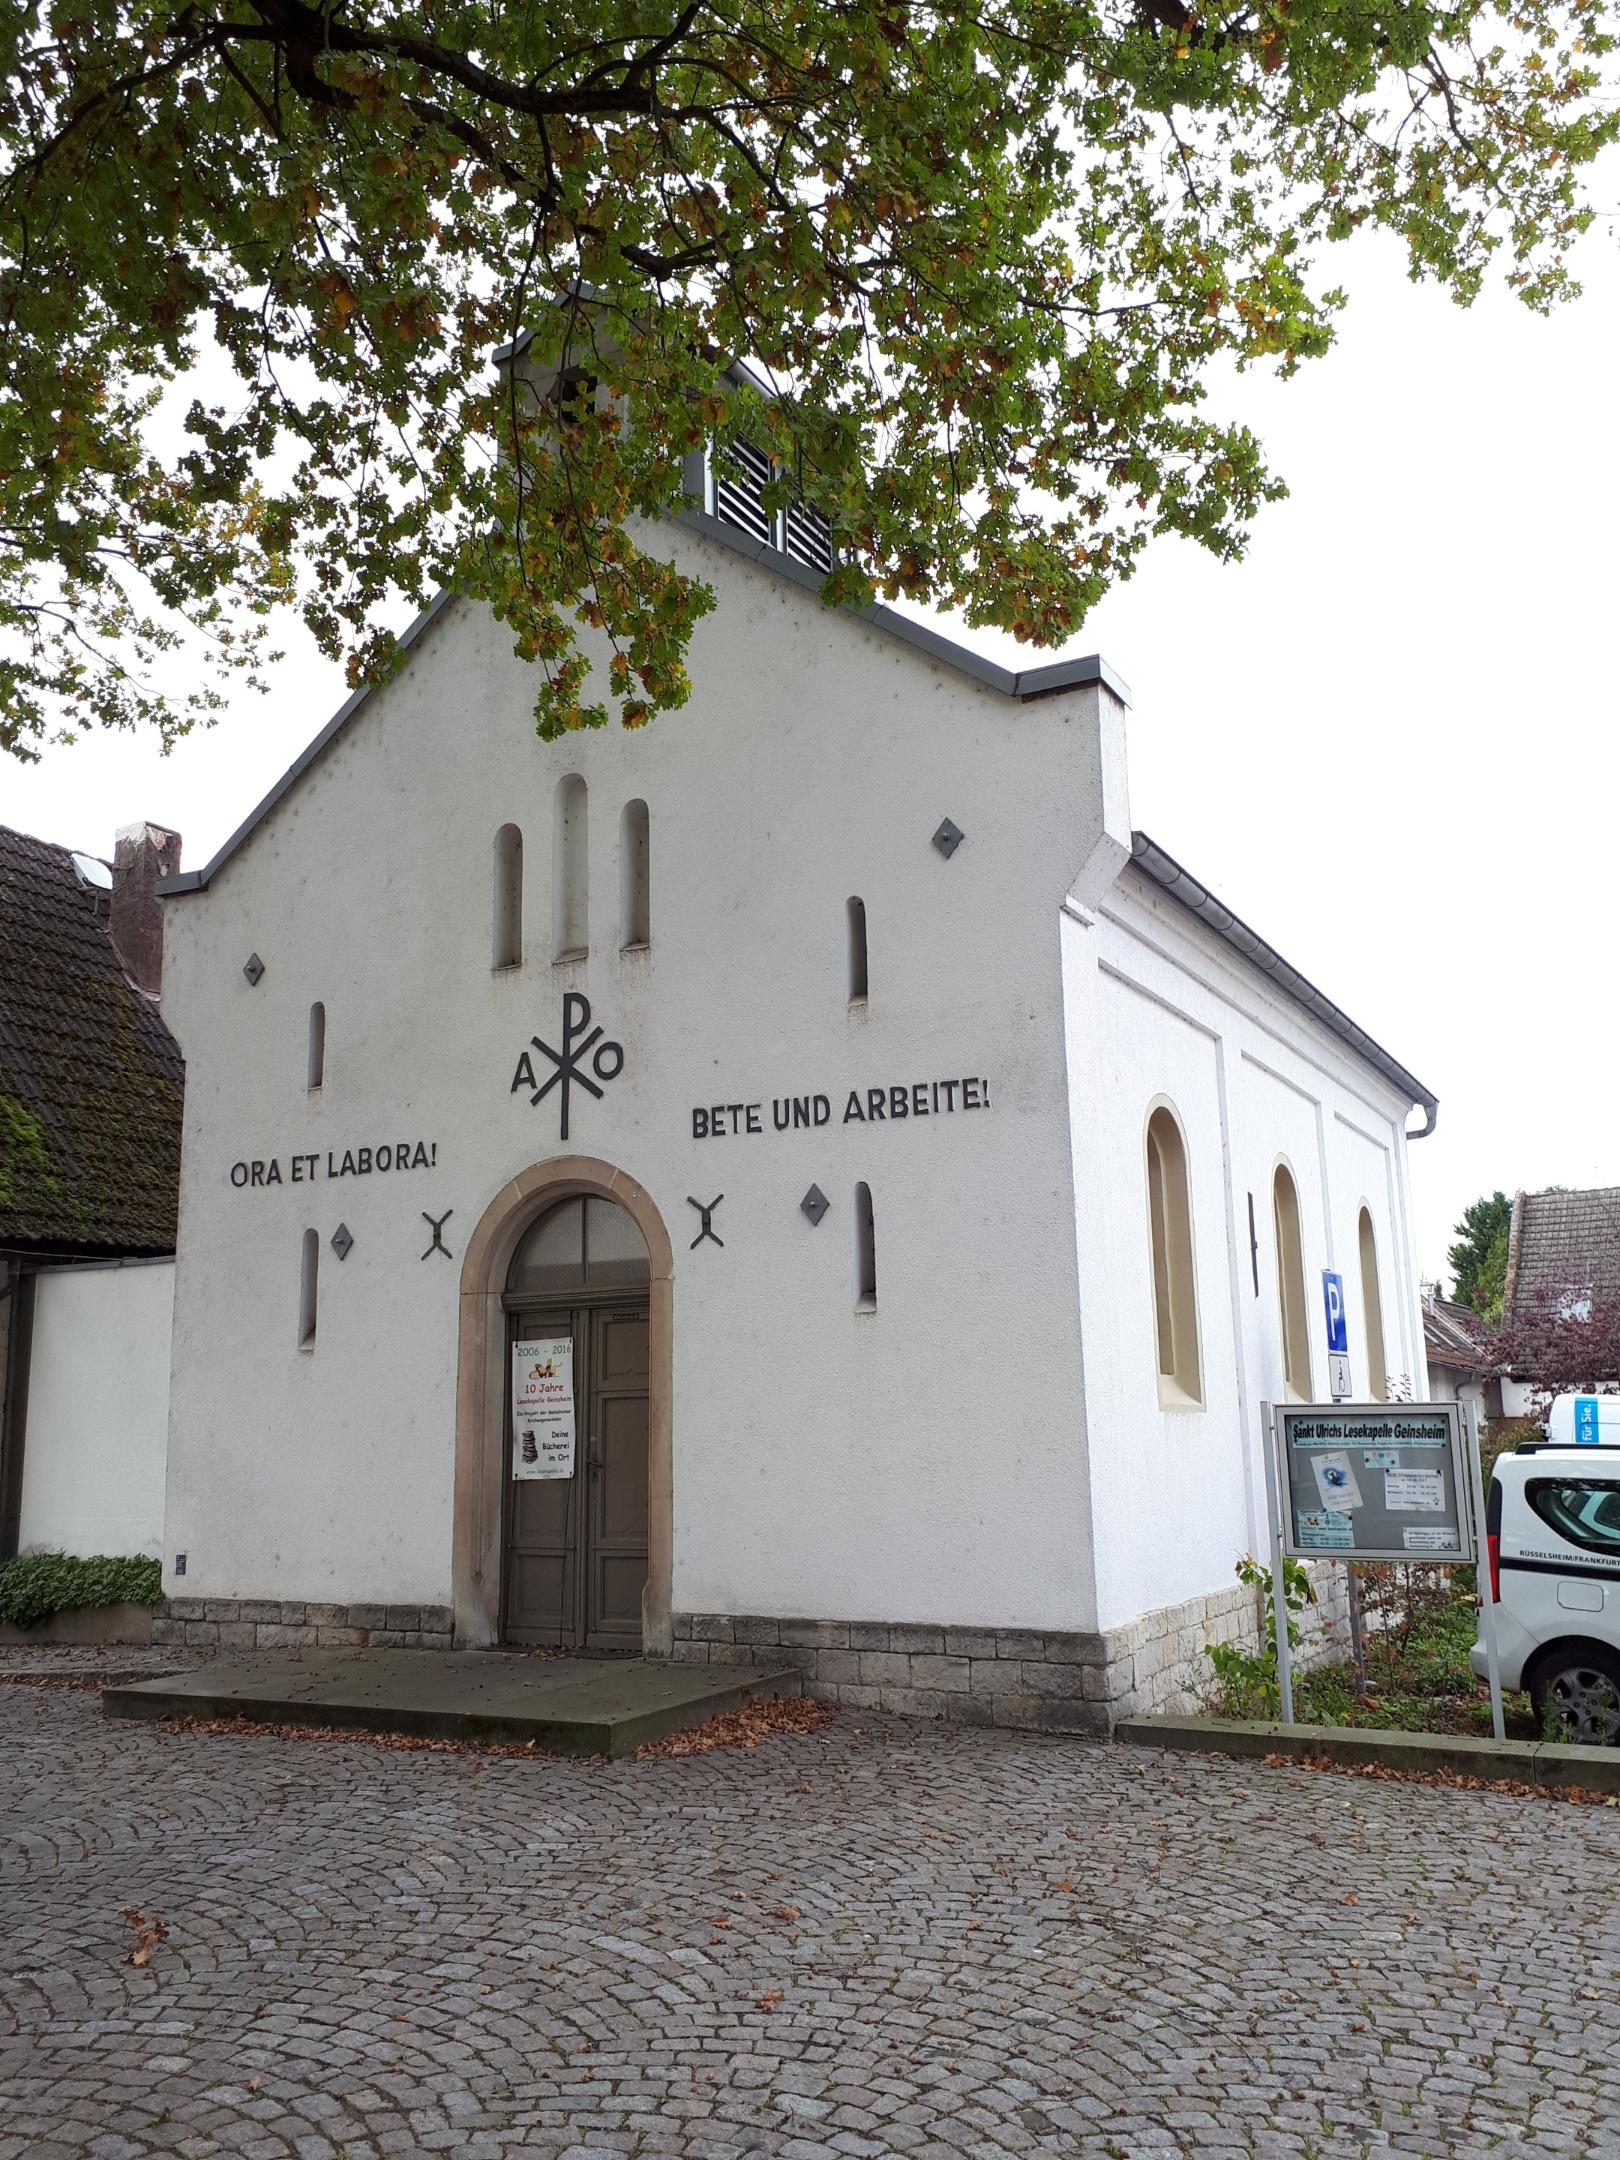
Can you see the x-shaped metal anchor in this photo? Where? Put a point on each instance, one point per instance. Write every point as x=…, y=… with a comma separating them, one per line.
x=438, y=1244
x=708, y=1230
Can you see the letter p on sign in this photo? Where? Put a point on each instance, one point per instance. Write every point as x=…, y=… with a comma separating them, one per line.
x=1338, y=1340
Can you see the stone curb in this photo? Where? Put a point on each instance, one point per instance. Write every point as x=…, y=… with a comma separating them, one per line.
x=1520, y=1762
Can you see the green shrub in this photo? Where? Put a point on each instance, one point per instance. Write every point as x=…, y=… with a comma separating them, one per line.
x=39, y=1584
x=1246, y=1680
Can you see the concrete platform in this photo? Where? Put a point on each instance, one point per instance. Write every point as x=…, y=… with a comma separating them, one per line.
x=567, y=1706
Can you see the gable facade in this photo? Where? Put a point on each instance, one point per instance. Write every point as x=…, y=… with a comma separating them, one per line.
x=873, y=1100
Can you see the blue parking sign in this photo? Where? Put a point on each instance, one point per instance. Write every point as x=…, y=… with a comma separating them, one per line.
x=1586, y=1421
x=1338, y=1341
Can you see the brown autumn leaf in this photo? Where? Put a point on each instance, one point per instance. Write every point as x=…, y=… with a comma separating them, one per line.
x=769, y=2000
x=149, y=1933
x=784, y=1912
x=744, y=1728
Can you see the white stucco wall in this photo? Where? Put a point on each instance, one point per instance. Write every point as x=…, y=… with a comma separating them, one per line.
x=926, y=1460
x=1159, y=1010
x=98, y=1408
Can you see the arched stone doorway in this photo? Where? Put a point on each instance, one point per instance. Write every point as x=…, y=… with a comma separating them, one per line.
x=482, y=1470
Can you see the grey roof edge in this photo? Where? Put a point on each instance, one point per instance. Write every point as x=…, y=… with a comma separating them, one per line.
x=1182, y=886
x=1025, y=684
x=189, y=881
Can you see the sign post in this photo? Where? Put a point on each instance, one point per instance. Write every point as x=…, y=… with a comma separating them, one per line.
x=1338, y=1336
x=1279, y=1601
x=1482, y=1577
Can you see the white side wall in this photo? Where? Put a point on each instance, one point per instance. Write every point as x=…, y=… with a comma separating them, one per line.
x=98, y=1410
x=1159, y=1010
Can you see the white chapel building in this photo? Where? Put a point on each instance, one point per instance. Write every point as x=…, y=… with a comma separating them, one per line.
x=887, y=1184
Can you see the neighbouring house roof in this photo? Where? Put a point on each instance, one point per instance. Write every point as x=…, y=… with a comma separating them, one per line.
x=1453, y=1335
x=91, y=1081
x=1562, y=1241
x=1161, y=866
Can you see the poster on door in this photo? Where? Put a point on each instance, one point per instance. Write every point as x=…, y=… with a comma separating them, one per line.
x=543, y=1408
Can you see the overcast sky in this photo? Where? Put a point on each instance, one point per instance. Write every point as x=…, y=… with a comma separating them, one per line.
x=1387, y=738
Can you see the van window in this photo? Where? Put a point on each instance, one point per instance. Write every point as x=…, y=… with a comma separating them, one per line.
x=1583, y=1511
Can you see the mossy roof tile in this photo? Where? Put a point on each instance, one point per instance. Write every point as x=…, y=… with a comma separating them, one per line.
x=91, y=1081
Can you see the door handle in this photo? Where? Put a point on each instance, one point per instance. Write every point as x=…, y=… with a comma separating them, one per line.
x=593, y=1462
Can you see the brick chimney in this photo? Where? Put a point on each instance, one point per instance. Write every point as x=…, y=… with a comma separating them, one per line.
x=143, y=854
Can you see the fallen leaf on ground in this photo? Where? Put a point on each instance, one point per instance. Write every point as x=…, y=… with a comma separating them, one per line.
x=745, y=1728
x=769, y=2000
x=149, y=1933
x=1455, y=1780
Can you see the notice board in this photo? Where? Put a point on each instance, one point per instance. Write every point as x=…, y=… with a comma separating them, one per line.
x=1373, y=1481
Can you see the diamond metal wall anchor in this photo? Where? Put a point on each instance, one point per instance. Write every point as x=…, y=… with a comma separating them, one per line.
x=948, y=838
x=815, y=1203
x=253, y=968
x=341, y=1241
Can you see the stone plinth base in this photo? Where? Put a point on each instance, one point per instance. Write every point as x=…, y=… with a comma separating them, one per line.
x=275, y=1624
x=1030, y=1680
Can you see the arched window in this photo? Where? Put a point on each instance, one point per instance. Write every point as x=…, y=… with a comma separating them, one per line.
x=317, y=1045
x=856, y=915
x=570, y=934
x=1175, y=1289
x=583, y=1244
x=308, y=1273
x=507, y=946
x=635, y=903
x=1296, y=1338
x=865, y=1252
x=1372, y=1310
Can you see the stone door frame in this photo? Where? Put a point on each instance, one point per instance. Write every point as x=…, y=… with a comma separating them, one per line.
x=481, y=1397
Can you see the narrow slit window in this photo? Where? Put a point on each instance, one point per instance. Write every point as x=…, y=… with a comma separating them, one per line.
x=635, y=898
x=317, y=1045
x=1296, y=1340
x=865, y=1252
x=1175, y=1288
x=570, y=933
x=308, y=1280
x=856, y=910
x=1372, y=1308
x=507, y=948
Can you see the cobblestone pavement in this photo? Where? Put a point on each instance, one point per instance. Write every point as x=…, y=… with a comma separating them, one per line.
x=852, y=1942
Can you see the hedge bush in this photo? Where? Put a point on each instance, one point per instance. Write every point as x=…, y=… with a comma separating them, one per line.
x=36, y=1585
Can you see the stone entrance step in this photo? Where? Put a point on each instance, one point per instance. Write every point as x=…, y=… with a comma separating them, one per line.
x=565, y=1705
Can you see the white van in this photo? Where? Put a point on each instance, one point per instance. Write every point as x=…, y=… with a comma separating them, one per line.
x=1552, y=1521
x=1584, y=1421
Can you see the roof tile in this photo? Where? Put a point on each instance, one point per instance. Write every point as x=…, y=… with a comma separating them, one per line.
x=91, y=1081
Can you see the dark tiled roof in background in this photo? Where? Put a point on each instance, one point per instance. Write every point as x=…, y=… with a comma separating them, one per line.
x=1562, y=1241
x=1452, y=1335
x=91, y=1080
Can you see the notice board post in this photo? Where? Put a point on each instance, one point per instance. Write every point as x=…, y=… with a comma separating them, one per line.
x=1279, y=1602
x=1482, y=1580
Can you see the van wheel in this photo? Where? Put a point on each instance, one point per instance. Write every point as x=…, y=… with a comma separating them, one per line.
x=1576, y=1697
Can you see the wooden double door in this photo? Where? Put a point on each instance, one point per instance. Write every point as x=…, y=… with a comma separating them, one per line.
x=575, y=1549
